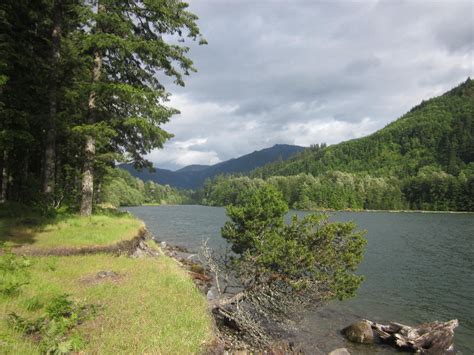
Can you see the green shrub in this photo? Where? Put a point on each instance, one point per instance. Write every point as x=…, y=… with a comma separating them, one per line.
x=310, y=252
x=60, y=307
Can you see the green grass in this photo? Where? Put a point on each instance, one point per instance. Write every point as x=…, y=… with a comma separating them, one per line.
x=151, y=307
x=68, y=230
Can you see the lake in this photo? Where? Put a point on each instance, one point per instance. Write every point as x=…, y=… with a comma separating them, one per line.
x=418, y=267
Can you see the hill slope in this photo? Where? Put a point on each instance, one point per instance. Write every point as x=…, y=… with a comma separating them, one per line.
x=438, y=133
x=422, y=161
x=193, y=176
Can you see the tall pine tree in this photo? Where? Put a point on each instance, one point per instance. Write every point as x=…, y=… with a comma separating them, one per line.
x=126, y=51
x=80, y=88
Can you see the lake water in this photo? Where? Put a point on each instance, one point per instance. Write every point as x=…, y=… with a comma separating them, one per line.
x=418, y=267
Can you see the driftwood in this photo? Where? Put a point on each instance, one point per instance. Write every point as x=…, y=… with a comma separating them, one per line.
x=427, y=338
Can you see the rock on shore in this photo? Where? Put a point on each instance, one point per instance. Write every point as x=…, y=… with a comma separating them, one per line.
x=359, y=332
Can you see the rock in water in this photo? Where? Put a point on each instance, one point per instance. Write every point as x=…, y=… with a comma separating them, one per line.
x=340, y=351
x=359, y=332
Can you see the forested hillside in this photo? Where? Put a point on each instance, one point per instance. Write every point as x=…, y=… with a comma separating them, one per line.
x=438, y=133
x=424, y=160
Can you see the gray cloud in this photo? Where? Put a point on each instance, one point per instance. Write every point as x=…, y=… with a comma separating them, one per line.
x=362, y=65
x=459, y=38
x=455, y=30
x=304, y=72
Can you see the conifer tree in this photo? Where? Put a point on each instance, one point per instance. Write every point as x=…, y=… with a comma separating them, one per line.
x=126, y=51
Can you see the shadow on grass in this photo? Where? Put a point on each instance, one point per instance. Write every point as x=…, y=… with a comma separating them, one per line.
x=15, y=236
x=19, y=230
x=20, y=224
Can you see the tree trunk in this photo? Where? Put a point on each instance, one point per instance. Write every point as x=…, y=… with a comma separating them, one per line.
x=49, y=168
x=89, y=149
x=4, y=186
x=88, y=177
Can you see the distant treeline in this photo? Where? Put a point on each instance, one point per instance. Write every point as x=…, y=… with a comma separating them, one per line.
x=429, y=190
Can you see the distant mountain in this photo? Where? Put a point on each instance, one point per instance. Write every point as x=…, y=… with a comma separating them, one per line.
x=195, y=167
x=193, y=176
x=438, y=134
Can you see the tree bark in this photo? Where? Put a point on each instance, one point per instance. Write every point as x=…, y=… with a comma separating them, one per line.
x=88, y=177
x=89, y=149
x=49, y=167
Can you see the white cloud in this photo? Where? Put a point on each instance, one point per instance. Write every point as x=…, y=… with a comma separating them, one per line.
x=181, y=153
x=194, y=142
x=329, y=130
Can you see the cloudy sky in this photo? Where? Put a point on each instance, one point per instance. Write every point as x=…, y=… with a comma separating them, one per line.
x=309, y=71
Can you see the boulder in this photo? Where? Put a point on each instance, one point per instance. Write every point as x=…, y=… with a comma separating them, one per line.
x=340, y=351
x=359, y=332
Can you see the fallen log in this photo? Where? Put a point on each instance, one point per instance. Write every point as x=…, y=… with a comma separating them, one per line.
x=427, y=338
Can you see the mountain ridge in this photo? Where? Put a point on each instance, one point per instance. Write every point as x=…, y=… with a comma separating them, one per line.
x=193, y=167
x=193, y=176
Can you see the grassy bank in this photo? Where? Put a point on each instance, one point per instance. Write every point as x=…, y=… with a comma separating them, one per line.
x=145, y=305
x=68, y=230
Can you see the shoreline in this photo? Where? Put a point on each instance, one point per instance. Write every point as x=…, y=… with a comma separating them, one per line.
x=460, y=333
x=389, y=211
x=225, y=340
x=324, y=209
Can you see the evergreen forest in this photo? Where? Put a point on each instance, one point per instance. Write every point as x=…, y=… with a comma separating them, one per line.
x=82, y=89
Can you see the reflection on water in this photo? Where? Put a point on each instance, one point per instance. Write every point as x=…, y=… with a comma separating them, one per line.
x=418, y=267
